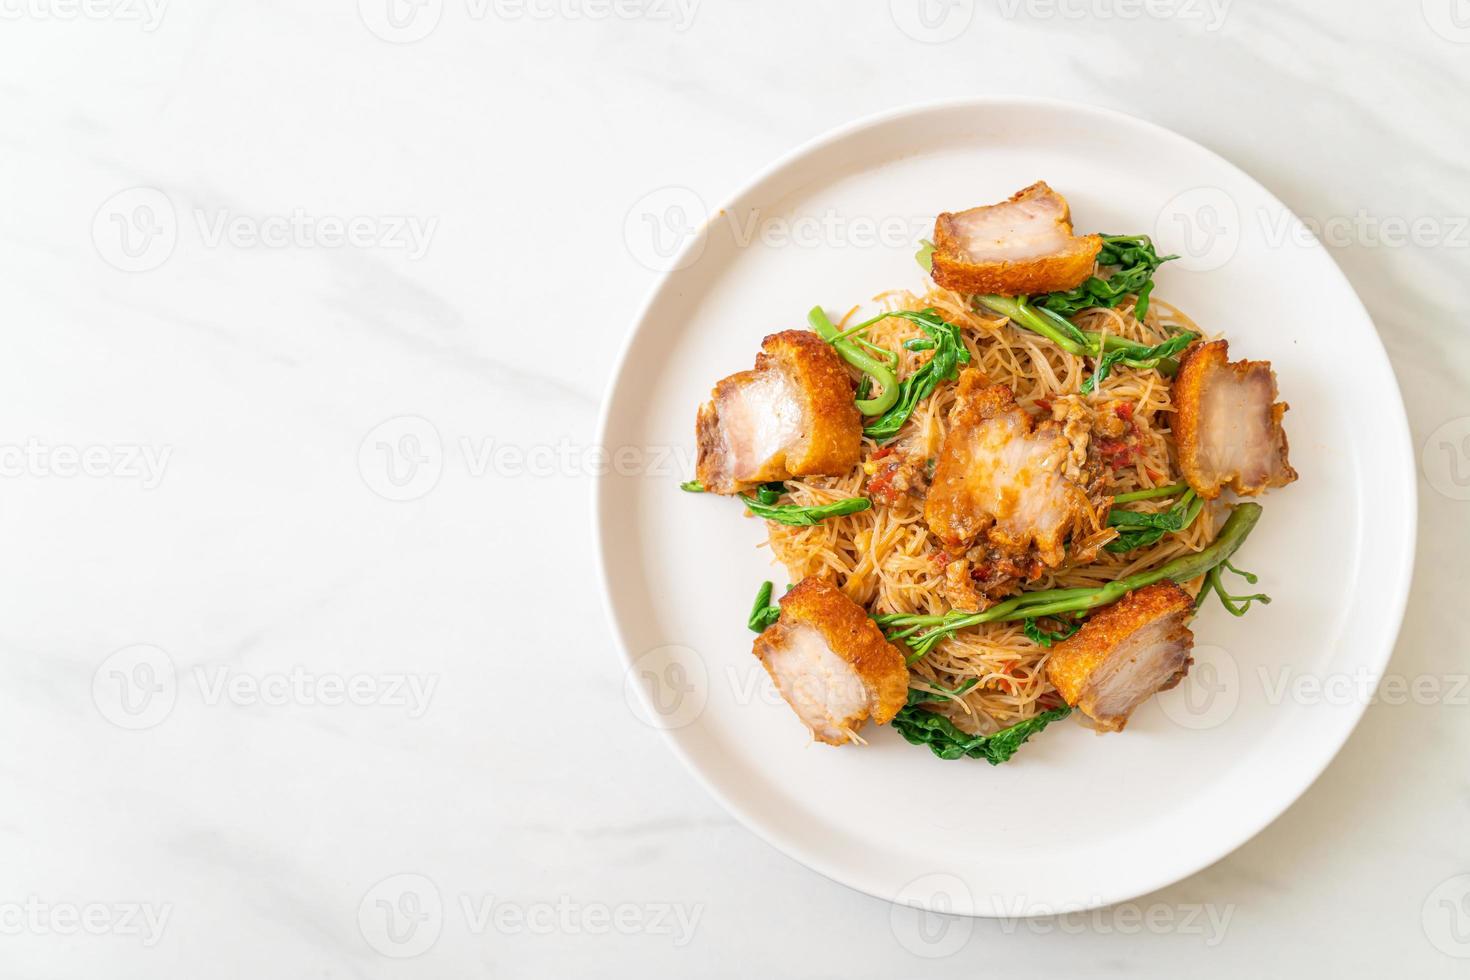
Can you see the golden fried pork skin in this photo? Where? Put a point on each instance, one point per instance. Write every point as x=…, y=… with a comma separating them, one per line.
x=831, y=663
x=793, y=415
x=1229, y=423
x=1018, y=248
x=1124, y=654
x=998, y=477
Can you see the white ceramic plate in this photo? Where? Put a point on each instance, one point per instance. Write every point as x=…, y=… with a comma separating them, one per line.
x=1075, y=820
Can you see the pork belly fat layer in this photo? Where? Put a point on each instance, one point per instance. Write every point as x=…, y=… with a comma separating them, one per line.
x=831, y=663
x=821, y=687
x=793, y=415
x=997, y=476
x=1228, y=424
x=754, y=417
x=1124, y=654
x=1021, y=246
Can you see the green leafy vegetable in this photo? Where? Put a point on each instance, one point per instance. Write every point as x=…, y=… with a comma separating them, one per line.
x=917, y=696
x=949, y=353
x=1018, y=309
x=798, y=516
x=1046, y=638
x=1149, y=357
x=1133, y=261
x=920, y=726
x=1151, y=494
x=1143, y=530
x=1132, y=258
x=765, y=612
x=1214, y=584
x=1051, y=602
x=925, y=255
x=934, y=629
x=1136, y=261
x=1063, y=333
x=769, y=493
x=851, y=350
x=764, y=504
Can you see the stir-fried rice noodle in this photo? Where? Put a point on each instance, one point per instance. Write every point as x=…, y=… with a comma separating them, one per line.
x=886, y=559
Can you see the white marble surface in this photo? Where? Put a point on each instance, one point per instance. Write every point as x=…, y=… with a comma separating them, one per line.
x=203, y=565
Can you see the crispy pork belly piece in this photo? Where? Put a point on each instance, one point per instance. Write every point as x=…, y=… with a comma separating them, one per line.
x=793, y=415
x=831, y=663
x=1124, y=654
x=999, y=478
x=1020, y=247
x=1229, y=423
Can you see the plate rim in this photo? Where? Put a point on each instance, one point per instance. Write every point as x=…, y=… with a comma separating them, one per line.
x=1406, y=470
